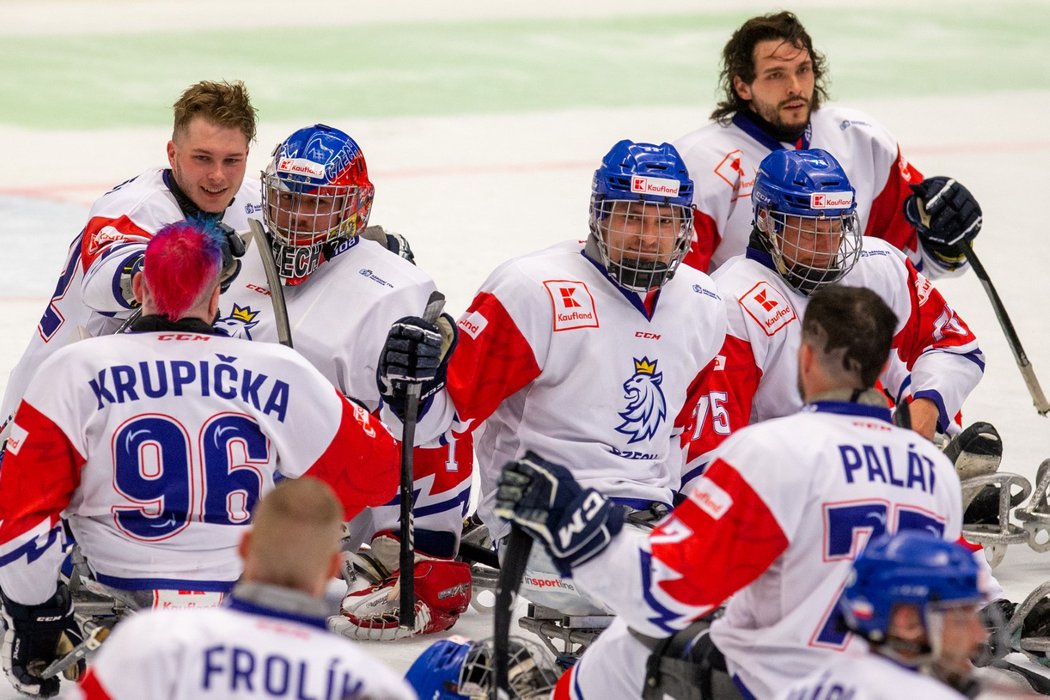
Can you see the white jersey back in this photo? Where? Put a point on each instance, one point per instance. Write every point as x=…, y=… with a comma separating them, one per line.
x=234, y=653
x=865, y=676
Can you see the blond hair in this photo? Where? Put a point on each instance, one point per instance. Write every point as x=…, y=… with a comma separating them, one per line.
x=295, y=532
x=223, y=104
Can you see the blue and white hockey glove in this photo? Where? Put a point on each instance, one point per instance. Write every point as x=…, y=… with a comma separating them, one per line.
x=944, y=214
x=574, y=524
x=31, y=641
x=415, y=352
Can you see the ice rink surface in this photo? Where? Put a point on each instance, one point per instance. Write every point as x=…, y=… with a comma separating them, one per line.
x=482, y=125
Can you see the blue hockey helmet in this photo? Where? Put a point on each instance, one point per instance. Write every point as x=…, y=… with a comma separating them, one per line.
x=641, y=218
x=912, y=567
x=457, y=668
x=315, y=190
x=805, y=205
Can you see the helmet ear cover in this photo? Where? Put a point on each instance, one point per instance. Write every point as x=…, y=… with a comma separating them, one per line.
x=315, y=191
x=639, y=186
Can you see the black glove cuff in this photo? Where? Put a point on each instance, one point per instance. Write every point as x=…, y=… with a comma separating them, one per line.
x=51, y=614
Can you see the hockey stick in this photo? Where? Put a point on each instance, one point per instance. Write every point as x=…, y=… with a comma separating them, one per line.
x=407, y=610
x=1030, y=380
x=273, y=281
x=519, y=546
x=94, y=635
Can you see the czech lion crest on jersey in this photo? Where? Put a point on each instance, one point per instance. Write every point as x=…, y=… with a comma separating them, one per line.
x=646, y=406
x=239, y=322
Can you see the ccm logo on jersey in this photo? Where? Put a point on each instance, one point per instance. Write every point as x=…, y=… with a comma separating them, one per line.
x=711, y=498
x=655, y=185
x=472, y=324
x=300, y=166
x=768, y=307
x=830, y=200
x=572, y=303
x=16, y=438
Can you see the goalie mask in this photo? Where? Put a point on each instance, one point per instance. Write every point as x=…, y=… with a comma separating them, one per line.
x=316, y=193
x=641, y=220
x=806, y=208
x=459, y=669
x=937, y=584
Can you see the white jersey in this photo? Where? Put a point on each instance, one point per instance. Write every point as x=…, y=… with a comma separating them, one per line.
x=245, y=650
x=865, y=676
x=723, y=162
x=934, y=354
x=87, y=300
x=155, y=447
x=776, y=522
x=554, y=357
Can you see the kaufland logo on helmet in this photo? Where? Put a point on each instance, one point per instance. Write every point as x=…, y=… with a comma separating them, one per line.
x=300, y=166
x=830, y=200
x=655, y=185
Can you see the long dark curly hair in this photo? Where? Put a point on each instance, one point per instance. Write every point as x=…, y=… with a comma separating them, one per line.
x=738, y=59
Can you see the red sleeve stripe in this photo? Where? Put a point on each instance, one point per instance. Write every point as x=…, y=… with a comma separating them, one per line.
x=724, y=526
x=706, y=240
x=886, y=220
x=91, y=688
x=92, y=244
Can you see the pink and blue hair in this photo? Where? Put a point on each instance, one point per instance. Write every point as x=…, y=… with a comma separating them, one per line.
x=182, y=265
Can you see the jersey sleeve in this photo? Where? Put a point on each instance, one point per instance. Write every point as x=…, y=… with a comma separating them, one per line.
x=109, y=243
x=361, y=462
x=41, y=471
x=724, y=396
x=500, y=349
x=940, y=353
x=668, y=581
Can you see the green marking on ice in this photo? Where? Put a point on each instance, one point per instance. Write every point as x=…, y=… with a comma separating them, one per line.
x=102, y=81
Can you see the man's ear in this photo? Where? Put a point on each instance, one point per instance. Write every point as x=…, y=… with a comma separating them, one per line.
x=742, y=89
x=171, y=154
x=138, y=287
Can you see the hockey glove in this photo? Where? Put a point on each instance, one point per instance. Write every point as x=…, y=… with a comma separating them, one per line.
x=944, y=214
x=31, y=640
x=394, y=242
x=132, y=266
x=232, y=251
x=416, y=352
x=574, y=524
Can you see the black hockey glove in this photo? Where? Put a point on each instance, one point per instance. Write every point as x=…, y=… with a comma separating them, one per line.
x=574, y=524
x=394, y=242
x=944, y=214
x=415, y=352
x=232, y=251
x=31, y=640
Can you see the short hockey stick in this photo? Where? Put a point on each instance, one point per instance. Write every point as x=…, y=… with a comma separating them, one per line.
x=519, y=546
x=1030, y=380
x=407, y=609
x=273, y=281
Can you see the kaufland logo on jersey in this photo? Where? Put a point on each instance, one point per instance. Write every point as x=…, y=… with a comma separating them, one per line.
x=300, y=166
x=830, y=200
x=655, y=185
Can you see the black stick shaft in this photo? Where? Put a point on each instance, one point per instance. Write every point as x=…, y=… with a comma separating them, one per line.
x=1027, y=373
x=519, y=545
x=407, y=594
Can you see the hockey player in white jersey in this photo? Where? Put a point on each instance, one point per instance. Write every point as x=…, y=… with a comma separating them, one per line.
x=915, y=599
x=776, y=521
x=590, y=350
x=270, y=640
x=806, y=236
x=774, y=98
x=343, y=292
x=214, y=124
x=154, y=446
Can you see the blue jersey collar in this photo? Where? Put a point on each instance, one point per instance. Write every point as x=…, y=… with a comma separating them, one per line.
x=848, y=408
